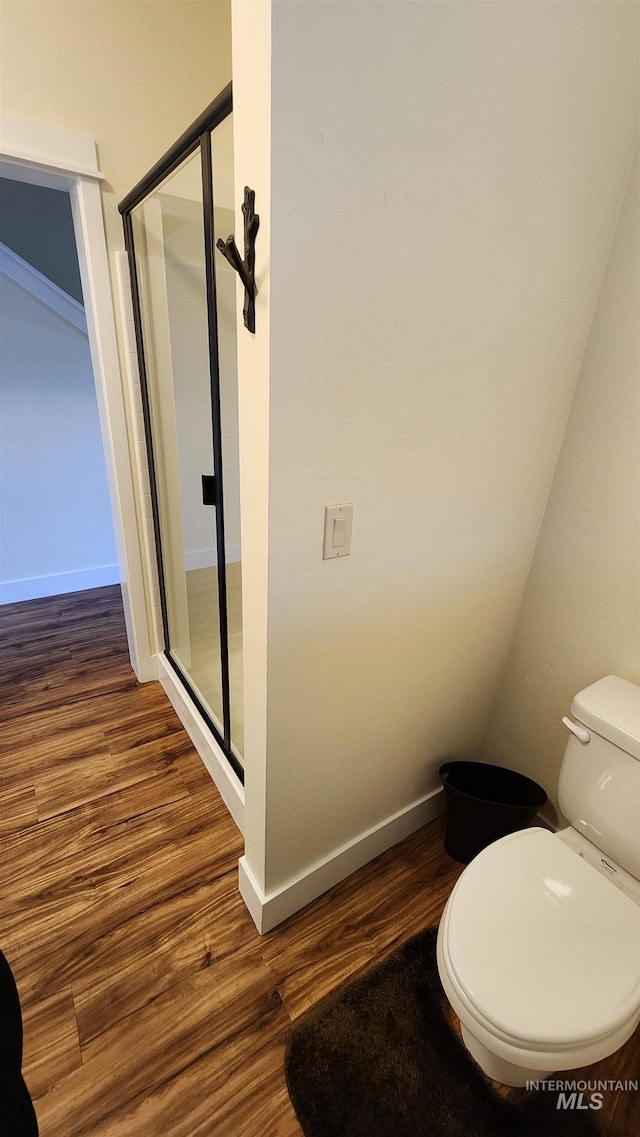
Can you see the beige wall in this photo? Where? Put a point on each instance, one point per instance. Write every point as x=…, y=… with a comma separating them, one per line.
x=580, y=616
x=439, y=237
x=132, y=74
x=252, y=160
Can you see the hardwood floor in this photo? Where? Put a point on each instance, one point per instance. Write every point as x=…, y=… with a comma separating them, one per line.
x=151, y=1005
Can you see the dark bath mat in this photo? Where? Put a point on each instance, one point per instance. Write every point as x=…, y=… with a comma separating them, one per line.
x=379, y=1059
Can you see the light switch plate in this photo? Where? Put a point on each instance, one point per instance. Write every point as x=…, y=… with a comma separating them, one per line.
x=338, y=521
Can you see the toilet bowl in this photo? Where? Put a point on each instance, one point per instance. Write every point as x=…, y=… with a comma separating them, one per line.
x=539, y=943
x=544, y=971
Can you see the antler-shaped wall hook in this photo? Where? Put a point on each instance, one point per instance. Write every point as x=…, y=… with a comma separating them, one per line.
x=245, y=268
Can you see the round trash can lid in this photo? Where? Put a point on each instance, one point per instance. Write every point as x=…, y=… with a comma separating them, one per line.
x=492, y=784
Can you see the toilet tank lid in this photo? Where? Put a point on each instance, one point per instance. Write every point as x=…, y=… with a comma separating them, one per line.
x=611, y=708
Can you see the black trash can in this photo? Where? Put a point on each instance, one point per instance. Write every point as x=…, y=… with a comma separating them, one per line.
x=485, y=802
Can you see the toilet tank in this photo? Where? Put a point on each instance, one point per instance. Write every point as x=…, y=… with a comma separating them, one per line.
x=599, y=785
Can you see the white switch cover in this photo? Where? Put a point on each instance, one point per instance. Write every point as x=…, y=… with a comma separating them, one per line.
x=338, y=520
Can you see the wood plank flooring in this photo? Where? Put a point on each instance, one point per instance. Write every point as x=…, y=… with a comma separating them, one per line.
x=151, y=1005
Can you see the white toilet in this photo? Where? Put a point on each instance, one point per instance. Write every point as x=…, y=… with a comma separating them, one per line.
x=539, y=943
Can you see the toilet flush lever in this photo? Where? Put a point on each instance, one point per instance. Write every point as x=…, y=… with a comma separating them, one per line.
x=580, y=732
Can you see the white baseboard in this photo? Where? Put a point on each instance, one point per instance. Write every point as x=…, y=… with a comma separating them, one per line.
x=199, y=559
x=270, y=909
x=56, y=584
x=230, y=787
x=207, y=558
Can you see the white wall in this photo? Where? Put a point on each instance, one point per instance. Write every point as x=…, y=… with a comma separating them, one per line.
x=56, y=532
x=445, y=181
x=580, y=616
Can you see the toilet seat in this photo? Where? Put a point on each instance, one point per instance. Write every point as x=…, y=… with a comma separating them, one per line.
x=542, y=951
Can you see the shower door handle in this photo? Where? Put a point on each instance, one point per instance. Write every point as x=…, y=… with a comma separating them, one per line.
x=209, y=490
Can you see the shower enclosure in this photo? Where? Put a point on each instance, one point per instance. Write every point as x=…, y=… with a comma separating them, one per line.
x=184, y=301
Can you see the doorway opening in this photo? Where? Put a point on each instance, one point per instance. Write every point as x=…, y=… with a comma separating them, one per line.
x=57, y=531
x=41, y=155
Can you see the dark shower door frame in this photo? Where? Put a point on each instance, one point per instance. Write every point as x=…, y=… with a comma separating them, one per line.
x=198, y=136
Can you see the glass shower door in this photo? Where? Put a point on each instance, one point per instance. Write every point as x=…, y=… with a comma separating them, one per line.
x=184, y=297
x=169, y=240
